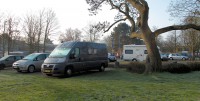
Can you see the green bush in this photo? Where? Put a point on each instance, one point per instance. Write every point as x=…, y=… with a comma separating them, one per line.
x=194, y=66
x=136, y=67
x=176, y=68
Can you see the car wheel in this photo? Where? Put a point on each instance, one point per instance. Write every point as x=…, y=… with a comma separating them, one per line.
x=102, y=68
x=31, y=69
x=68, y=72
x=19, y=71
x=183, y=58
x=134, y=60
x=171, y=58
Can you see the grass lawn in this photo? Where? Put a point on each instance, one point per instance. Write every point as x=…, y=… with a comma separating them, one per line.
x=111, y=85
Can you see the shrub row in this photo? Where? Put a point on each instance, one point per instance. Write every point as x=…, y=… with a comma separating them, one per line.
x=177, y=68
x=138, y=67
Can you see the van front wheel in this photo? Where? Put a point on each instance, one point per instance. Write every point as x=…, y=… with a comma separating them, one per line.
x=68, y=72
x=102, y=68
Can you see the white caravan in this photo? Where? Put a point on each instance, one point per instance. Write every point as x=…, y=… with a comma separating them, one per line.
x=134, y=52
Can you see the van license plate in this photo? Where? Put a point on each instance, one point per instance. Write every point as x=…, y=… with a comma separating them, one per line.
x=47, y=71
x=15, y=67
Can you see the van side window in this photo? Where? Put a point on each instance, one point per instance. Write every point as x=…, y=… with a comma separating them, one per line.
x=77, y=52
x=89, y=50
x=95, y=51
x=128, y=51
x=92, y=51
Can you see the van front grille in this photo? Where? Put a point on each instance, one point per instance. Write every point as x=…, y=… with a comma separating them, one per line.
x=48, y=66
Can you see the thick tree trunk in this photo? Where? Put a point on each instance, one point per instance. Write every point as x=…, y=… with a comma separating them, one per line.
x=153, y=53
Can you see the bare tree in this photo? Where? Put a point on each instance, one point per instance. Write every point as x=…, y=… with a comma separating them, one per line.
x=71, y=35
x=190, y=38
x=184, y=8
x=50, y=25
x=9, y=29
x=137, y=13
x=13, y=31
x=30, y=27
x=171, y=43
x=40, y=29
x=93, y=31
x=109, y=42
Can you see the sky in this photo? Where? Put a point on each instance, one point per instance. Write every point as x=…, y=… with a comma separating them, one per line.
x=75, y=14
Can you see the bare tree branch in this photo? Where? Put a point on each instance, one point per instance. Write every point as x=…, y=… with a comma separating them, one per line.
x=126, y=13
x=136, y=4
x=176, y=27
x=114, y=24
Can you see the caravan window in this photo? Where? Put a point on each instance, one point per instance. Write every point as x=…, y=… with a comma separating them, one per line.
x=128, y=51
x=145, y=52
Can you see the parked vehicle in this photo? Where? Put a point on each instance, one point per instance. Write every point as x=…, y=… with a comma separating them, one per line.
x=111, y=57
x=176, y=56
x=8, y=60
x=30, y=63
x=70, y=57
x=134, y=52
x=164, y=57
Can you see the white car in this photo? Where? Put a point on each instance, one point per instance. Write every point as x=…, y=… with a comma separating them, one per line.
x=176, y=56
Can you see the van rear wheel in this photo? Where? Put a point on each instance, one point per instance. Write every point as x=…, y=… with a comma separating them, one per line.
x=134, y=60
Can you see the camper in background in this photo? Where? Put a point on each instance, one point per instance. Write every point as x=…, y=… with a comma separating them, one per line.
x=70, y=57
x=134, y=52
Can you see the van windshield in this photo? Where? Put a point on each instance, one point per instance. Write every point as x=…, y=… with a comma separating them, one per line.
x=59, y=52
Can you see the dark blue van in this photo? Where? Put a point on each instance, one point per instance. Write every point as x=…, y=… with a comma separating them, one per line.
x=70, y=57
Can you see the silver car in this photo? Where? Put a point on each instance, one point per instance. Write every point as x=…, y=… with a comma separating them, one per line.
x=175, y=56
x=30, y=63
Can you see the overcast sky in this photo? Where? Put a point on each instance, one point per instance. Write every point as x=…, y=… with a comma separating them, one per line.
x=74, y=13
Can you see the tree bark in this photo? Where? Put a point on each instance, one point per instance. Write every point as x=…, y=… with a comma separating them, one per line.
x=153, y=53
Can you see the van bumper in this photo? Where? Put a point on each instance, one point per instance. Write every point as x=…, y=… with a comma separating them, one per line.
x=53, y=69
